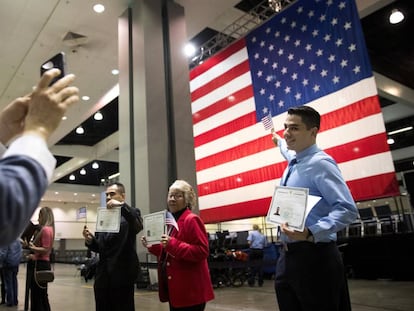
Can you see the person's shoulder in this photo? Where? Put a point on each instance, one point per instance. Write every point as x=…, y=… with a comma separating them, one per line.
x=47, y=229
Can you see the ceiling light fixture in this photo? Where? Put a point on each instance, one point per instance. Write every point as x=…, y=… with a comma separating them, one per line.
x=115, y=72
x=95, y=165
x=404, y=129
x=390, y=141
x=114, y=176
x=72, y=177
x=82, y=171
x=98, y=116
x=80, y=130
x=275, y=5
x=85, y=97
x=189, y=49
x=396, y=16
x=99, y=8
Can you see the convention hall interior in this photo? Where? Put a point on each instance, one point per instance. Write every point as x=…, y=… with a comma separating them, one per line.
x=89, y=144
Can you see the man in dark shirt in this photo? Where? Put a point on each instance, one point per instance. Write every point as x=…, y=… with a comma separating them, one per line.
x=118, y=265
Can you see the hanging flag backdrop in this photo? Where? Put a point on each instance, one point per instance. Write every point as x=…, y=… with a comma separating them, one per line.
x=311, y=53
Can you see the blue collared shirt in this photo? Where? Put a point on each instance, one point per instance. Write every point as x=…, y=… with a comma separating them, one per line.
x=256, y=239
x=318, y=172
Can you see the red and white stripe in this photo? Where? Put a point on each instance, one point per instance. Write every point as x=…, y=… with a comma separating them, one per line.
x=236, y=162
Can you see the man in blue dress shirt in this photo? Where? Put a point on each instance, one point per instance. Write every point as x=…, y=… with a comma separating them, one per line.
x=26, y=167
x=257, y=242
x=310, y=272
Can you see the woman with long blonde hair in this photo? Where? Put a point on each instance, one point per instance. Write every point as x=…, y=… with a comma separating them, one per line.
x=41, y=248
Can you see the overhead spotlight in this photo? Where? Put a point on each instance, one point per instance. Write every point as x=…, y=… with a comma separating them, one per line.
x=72, y=177
x=189, y=49
x=82, y=171
x=95, y=165
x=115, y=72
x=99, y=8
x=275, y=5
x=80, y=130
x=396, y=16
x=85, y=97
x=98, y=116
x=390, y=141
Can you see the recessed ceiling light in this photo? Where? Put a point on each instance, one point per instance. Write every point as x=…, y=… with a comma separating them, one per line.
x=95, y=165
x=390, y=141
x=72, y=177
x=64, y=118
x=99, y=8
x=98, y=116
x=80, y=130
x=115, y=72
x=82, y=171
x=85, y=98
x=396, y=16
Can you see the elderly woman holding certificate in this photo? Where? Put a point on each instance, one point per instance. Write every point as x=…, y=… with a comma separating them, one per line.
x=183, y=275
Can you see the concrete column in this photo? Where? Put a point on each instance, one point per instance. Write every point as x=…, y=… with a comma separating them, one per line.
x=155, y=122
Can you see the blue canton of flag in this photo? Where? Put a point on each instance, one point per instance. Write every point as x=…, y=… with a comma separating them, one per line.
x=305, y=53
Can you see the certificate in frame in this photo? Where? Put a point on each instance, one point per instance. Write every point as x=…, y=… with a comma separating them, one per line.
x=154, y=226
x=108, y=219
x=288, y=205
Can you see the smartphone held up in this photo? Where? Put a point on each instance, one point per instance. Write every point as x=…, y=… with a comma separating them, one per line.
x=57, y=61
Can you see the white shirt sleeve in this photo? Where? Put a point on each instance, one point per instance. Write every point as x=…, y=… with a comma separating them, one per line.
x=35, y=147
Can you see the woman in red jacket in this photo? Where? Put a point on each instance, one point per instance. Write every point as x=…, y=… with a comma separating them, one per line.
x=183, y=274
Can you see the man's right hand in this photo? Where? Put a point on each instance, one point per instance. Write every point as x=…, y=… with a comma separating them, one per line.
x=48, y=104
x=275, y=137
x=87, y=235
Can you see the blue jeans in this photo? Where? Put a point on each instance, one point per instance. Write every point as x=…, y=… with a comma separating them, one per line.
x=10, y=281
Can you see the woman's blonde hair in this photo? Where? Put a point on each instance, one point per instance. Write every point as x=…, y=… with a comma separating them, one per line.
x=189, y=193
x=46, y=218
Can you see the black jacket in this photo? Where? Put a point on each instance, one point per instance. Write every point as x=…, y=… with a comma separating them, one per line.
x=118, y=261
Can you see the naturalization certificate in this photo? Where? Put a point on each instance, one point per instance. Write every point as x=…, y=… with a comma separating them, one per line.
x=108, y=219
x=291, y=205
x=154, y=226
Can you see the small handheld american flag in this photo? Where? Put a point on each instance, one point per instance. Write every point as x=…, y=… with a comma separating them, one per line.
x=170, y=220
x=268, y=122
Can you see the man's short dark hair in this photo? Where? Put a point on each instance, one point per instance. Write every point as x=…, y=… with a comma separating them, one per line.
x=309, y=116
x=121, y=187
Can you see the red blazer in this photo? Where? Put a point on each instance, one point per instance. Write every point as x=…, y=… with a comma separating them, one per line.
x=187, y=273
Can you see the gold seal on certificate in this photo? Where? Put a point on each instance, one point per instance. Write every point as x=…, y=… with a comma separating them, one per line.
x=291, y=205
x=108, y=219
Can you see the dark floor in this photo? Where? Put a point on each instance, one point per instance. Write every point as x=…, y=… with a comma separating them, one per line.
x=70, y=292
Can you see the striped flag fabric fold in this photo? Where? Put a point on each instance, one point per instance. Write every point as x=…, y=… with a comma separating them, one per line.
x=311, y=53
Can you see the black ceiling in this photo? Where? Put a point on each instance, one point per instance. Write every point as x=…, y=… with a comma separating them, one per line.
x=389, y=47
x=390, y=50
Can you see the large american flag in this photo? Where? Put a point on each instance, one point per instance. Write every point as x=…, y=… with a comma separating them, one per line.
x=311, y=53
